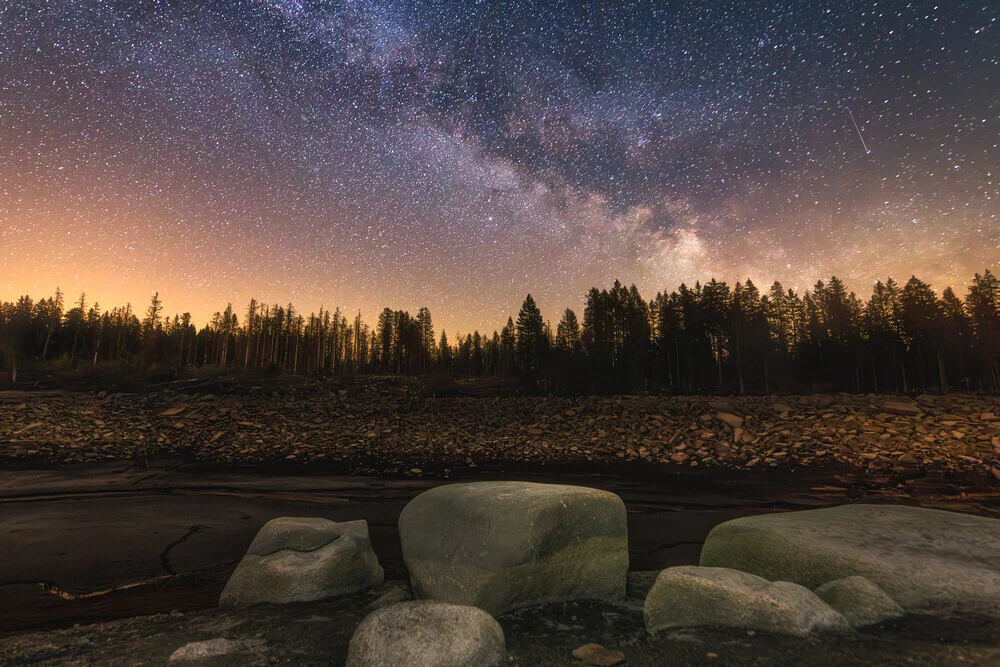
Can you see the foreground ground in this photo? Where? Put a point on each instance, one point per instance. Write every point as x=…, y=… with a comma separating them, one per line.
x=389, y=427
x=124, y=505
x=318, y=634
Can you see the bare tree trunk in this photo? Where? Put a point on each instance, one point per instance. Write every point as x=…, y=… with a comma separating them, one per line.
x=942, y=375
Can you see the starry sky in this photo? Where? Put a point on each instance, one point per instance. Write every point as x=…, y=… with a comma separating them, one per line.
x=460, y=153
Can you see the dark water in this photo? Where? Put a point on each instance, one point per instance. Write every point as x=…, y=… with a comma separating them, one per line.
x=95, y=543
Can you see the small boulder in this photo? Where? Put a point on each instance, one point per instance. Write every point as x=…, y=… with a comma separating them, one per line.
x=427, y=634
x=295, y=559
x=860, y=601
x=689, y=596
x=503, y=545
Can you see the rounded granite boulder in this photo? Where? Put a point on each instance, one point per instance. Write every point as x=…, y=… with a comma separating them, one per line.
x=427, y=634
x=504, y=545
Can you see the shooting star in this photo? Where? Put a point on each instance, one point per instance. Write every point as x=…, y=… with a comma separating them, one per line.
x=867, y=150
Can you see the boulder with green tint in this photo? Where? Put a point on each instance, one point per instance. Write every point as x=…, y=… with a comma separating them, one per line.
x=504, y=545
x=923, y=559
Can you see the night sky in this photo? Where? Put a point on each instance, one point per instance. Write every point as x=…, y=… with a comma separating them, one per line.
x=458, y=154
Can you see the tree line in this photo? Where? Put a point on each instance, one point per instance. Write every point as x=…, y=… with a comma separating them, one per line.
x=704, y=338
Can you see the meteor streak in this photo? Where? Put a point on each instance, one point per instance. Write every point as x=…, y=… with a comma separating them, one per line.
x=867, y=150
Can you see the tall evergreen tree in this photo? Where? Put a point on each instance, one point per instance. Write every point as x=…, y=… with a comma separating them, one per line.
x=529, y=334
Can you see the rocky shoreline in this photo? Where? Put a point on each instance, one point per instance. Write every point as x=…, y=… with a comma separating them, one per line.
x=535, y=574
x=379, y=427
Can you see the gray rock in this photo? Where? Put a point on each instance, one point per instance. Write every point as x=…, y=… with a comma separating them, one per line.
x=860, y=601
x=295, y=559
x=504, y=545
x=690, y=596
x=210, y=648
x=427, y=634
x=924, y=559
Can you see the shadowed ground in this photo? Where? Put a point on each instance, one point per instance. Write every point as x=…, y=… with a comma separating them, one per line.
x=168, y=537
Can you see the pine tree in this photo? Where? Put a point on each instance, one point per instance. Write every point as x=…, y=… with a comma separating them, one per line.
x=983, y=306
x=529, y=334
x=151, y=323
x=568, y=332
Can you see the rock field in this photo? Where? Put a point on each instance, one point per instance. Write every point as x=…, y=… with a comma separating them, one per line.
x=380, y=427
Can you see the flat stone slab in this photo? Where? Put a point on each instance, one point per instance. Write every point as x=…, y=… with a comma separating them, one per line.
x=924, y=559
x=689, y=596
x=427, y=634
x=504, y=545
x=295, y=559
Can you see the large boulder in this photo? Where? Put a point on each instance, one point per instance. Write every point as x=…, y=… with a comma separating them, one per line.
x=427, y=634
x=294, y=559
x=503, y=545
x=924, y=559
x=689, y=596
x=859, y=600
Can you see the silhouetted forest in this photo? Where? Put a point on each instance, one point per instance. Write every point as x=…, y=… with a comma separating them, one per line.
x=707, y=338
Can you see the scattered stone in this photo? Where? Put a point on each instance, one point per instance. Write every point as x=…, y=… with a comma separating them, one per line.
x=503, y=545
x=427, y=634
x=689, y=596
x=294, y=559
x=923, y=559
x=730, y=420
x=781, y=409
x=595, y=654
x=860, y=601
x=210, y=648
x=902, y=408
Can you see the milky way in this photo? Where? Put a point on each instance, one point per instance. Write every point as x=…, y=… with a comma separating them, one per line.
x=458, y=154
